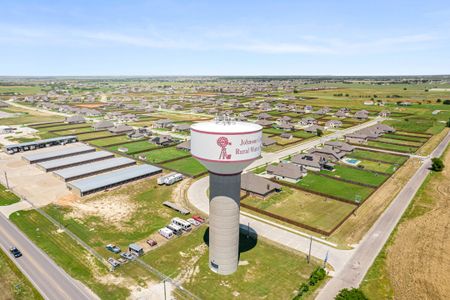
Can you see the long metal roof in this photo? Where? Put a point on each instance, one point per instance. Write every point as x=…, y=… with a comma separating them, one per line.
x=55, y=139
x=94, y=167
x=111, y=178
x=76, y=159
x=57, y=153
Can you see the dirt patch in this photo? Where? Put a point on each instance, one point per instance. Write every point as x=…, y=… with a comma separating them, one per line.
x=111, y=209
x=429, y=146
x=191, y=259
x=419, y=258
x=90, y=105
x=352, y=231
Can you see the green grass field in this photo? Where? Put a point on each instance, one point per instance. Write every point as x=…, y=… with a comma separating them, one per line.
x=187, y=165
x=402, y=142
x=394, y=159
x=7, y=197
x=406, y=138
x=75, y=131
x=110, y=140
x=356, y=175
x=406, y=149
x=307, y=208
x=135, y=146
x=266, y=272
x=13, y=284
x=376, y=166
x=302, y=134
x=164, y=154
x=273, y=130
x=329, y=186
x=95, y=134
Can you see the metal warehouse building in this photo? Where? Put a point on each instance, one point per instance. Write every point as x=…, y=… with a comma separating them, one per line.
x=40, y=157
x=56, y=164
x=62, y=140
x=101, y=182
x=95, y=168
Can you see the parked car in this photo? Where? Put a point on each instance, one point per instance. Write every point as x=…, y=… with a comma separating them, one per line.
x=113, y=248
x=113, y=262
x=198, y=219
x=152, y=243
x=127, y=255
x=14, y=251
x=193, y=222
x=166, y=232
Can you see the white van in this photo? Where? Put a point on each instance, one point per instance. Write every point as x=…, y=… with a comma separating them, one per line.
x=177, y=230
x=185, y=225
x=166, y=232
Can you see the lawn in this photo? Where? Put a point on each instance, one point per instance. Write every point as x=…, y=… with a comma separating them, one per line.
x=307, y=208
x=266, y=271
x=7, y=197
x=187, y=165
x=164, y=154
x=397, y=141
x=273, y=130
x=332, y=187
x=110, y=140
x=303, y=134
x=405, y=138
x=400, y=148
x=76, y=130
x=94, y=134
x=26, y=116
x=13, y=284
x=283, y=141
x=376, y=166
x=74, y=259
x=356, y=175
x=135, y=146
x=390, y=158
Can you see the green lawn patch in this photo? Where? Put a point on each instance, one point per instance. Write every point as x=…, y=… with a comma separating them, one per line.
x=95, y=134
x=273, y=130
x=134, y=146
x=7, y=197
x=402, y=142
x=332, y=187
x=307, y=208
x=406, y=149
x=303, y=134
x=391, y=158
x=376, y=166
x=164, y=154
x=356, y=175
x=110, y=140
x=187, y=165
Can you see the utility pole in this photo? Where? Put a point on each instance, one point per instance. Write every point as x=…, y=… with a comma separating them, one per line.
x=248, y=230
x=309, y=253
x=165, y=296
x=325, y=260
x=6, y=179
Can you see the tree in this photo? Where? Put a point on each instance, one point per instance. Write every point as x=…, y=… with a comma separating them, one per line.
x=437, y=164
x=353, y=294
x=319, y=132
x=446, y=102
x=448, y=122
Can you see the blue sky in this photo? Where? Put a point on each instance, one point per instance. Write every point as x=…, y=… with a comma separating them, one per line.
x=224, y=37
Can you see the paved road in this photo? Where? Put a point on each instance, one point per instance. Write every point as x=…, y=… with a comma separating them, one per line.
x=355, y=269
x=49, y=279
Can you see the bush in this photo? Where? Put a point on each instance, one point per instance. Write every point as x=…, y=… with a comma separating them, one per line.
x=353, y=294
x=448, y=123
x=319, y=132
x=316, y=276
x=437, y=164
x=446, y=102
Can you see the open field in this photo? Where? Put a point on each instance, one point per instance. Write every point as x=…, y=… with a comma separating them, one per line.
x=356, y=175
x=187, y=165
x=414, y=262
x=386, y=157
x=28, y=116
x=134, y=146
x=6, y=197
x=329, y=186
x=256, y=278
x=163, y=154
x=307, y=208
x=13, y=284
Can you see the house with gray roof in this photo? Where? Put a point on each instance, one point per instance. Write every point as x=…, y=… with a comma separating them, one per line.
x=329, y=153
x=286, y=171
x=258, y=186
x=267, y=141
x=120, y=129
x=181, y=127
x=361, y=115
x=186, y=145
x=77, y=119
x=333, y=124
x=312, y=162
x=163, y=123
x=162, y=140
x=342, y=146
x=314, y=129
x=102, y=125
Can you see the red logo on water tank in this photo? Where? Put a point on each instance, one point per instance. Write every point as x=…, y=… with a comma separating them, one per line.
x=223, y=142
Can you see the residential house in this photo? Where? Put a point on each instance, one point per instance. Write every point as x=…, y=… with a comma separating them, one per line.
x=333, y=124
x=267, y=141
x=307, y=121
x=312, y=162
x=181, y=127
x=258, y=186
x=120, y=129
x=342, y=146
x=264, y=123
x=384, y=113
x=102, y=125
x=286, y=135
x=307, y=109
x=264, y=116
x=162, y=140
x=314, y=129
x=286, y=171
x=361, y=115
x=77, y=119
x=163, y=123
x=186, y=145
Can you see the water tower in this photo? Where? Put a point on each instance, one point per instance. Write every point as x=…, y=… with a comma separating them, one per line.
x=225, y=147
